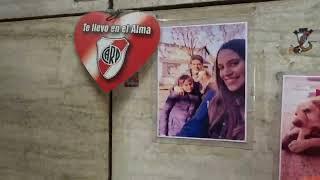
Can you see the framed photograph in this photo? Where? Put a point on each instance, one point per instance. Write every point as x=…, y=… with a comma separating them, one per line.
x=300, y=128
x=202, y=74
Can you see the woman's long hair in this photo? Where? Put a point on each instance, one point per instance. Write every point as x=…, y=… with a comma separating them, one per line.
x=228, y=107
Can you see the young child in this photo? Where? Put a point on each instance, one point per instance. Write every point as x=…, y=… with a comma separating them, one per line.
x=178, y=109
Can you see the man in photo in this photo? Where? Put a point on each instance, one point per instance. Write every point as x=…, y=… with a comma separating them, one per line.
x=196, y=65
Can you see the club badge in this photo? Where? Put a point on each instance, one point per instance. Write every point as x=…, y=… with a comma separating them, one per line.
x=111, y=55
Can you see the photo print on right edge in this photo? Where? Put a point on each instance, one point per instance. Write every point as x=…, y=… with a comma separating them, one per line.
x=300, y=128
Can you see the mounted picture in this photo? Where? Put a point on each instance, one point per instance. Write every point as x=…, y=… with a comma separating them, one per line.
x=300, y=128
x=202, y=73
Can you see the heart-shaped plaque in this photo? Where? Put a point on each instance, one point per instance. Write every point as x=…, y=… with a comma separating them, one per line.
x=113, y=48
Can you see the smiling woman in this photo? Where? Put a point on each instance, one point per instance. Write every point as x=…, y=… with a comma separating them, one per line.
x=231, y=67
x=226, y=110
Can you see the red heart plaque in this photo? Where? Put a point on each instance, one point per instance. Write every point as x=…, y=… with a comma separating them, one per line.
x=112, y=50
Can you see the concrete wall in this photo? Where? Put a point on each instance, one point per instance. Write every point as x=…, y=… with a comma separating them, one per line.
x=127, y=4
x=33, y=8
x=54, y=120
x=138, y=154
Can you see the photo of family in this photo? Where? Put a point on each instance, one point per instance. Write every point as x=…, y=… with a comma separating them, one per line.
x=202, y=73
x=300, y=128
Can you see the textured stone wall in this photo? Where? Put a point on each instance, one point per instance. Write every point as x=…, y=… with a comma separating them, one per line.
x=34, y=8
x=53, y=119
x=138, y=154
x=127, y=4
